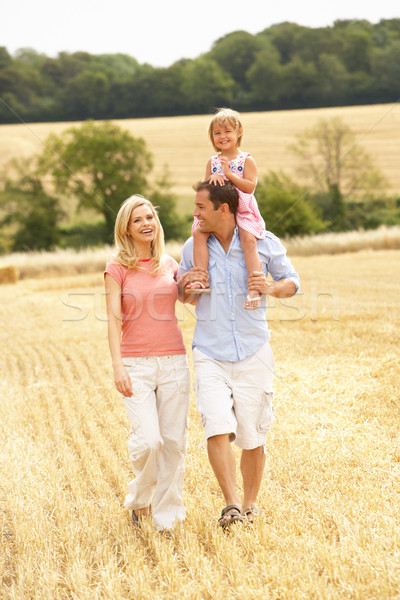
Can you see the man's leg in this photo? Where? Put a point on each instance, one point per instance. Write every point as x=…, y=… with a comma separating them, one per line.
x=222, y=460
x=252, y=467
x=215, y=403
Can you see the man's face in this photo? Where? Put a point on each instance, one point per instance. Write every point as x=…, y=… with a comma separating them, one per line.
x=208, y=217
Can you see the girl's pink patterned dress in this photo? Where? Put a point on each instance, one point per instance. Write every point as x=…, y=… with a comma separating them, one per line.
x=248, y=216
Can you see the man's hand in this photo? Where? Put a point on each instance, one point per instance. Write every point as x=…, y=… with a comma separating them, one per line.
x=284, y=288
x=187, y=279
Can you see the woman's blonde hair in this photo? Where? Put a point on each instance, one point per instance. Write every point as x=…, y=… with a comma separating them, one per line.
x=223, y=116
x=126, y=253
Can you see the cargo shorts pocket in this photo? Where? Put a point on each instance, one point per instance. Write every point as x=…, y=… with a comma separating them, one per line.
x=266, y=414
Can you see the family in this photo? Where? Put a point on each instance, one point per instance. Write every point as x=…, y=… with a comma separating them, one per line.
x=223, y=271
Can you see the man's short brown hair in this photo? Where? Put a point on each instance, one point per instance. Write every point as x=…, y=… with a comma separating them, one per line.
x=220, y=194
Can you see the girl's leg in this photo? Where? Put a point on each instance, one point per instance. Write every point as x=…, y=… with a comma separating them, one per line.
x=249, y=246
x=200, y=255
x=173, y=393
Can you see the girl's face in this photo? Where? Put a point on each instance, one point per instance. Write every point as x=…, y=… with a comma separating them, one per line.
x=225, y=136
x=142, y=225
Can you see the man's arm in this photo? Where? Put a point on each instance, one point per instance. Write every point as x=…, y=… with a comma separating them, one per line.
x=284, y=288
x=285, y=282
x=188, y=273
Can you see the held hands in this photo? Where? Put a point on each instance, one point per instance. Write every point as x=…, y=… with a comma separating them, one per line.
x=122, y=380
x=194, y=275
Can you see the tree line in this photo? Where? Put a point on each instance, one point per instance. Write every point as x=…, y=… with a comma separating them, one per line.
x=285, y=66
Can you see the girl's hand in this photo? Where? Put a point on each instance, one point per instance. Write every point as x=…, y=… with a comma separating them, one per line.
x=217, y=179
x=122, y=380
x=224, y=164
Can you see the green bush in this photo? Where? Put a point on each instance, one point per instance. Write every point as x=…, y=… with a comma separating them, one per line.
x=286, y=207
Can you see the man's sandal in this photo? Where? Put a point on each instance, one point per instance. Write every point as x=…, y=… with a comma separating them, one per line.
x=252, y=303
x=252, y=513
x=200, y=289
x=228, y=517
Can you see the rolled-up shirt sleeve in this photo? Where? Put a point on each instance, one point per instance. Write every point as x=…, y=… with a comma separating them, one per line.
x=186, y=257
x=273, y=253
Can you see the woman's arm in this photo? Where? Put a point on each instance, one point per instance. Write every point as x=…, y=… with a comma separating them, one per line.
x=113, y=301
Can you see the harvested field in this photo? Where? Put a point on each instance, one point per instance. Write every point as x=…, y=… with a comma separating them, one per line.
x=331, y=490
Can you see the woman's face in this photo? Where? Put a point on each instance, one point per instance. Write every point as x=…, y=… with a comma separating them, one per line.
x=142, y=226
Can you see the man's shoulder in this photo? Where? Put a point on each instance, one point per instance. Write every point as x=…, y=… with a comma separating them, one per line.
x=188, y=246
x=269, y=236
x=269, y=240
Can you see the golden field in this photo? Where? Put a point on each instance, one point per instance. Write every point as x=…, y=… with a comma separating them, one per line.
x=331, y=489
x=181, y=143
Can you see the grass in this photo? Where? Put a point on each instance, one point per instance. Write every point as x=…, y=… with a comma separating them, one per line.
x=331, y=486
x=181, y=143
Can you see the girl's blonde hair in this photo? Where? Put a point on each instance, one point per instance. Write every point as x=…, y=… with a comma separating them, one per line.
x=126, y=253
x=223, y=116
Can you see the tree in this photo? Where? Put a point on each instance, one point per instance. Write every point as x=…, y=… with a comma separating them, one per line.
x=235, y=53
x=286, y=207
x=386, y=71
x=165, y=202
x=31, y=216
x=265, y=78
x=284, y=37
x=334, y=163
x=206, y=86
x=100, y=164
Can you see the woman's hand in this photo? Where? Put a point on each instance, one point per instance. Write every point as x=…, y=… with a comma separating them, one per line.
x=122, y=380
x=196, y=274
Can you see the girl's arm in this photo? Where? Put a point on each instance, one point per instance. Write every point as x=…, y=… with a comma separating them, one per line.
x=249, y=181
x=113, y=301
x=213, y=177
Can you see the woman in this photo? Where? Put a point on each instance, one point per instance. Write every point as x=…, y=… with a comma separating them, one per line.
x=149, y=362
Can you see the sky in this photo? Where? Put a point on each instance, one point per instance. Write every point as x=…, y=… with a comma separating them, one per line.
x=162, y=32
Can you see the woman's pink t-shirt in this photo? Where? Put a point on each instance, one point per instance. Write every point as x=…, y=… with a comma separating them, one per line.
x=149, y=323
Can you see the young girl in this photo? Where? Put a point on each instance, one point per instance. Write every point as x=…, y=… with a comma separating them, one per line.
x=226, y=132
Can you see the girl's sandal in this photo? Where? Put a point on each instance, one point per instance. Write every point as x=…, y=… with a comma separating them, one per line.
x=200, y=289
x=252, y=303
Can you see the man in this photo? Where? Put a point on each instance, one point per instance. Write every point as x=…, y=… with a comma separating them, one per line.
x=232, y=357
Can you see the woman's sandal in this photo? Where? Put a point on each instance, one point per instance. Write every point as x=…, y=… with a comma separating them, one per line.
x=252, y=303
x=135, y=519
x=228, y=518
x=197, y=290
x=251, y=514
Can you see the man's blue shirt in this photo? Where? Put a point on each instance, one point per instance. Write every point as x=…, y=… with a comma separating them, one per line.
x=224, y=329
